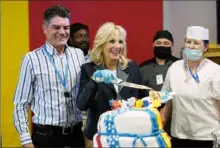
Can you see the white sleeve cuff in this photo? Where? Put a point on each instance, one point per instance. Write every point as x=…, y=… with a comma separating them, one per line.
x=25, y=138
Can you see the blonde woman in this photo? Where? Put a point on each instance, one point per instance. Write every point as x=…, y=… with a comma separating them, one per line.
x=109, y=62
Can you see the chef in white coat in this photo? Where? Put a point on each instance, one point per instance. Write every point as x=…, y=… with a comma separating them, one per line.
x=196, y=82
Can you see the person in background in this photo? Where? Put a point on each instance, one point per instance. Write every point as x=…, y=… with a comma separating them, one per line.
x=79, y=38
x=195, y=109
x=154, y=70
x=109, y=62
x=48, y=83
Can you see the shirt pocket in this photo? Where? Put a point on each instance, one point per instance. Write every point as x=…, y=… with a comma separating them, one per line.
x=47, y=81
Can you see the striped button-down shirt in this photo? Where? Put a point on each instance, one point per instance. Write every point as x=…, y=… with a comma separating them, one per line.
x=40, y=88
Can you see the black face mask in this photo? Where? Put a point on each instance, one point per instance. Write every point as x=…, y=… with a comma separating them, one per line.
x=162, y=52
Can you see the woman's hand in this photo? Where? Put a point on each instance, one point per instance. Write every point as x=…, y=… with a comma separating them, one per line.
x=106, y=75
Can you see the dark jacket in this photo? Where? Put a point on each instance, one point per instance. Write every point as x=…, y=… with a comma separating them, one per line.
x=153, y=60
x=150, y=70
x=95, y=97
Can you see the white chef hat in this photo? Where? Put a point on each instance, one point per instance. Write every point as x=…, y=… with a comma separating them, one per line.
x=197, y=32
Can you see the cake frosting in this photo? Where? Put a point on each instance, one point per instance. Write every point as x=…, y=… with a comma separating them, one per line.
x=135, y=124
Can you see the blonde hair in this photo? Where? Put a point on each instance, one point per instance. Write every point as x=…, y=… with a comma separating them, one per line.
x=104, y=34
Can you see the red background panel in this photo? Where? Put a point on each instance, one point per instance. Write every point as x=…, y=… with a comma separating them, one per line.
x=141, y=19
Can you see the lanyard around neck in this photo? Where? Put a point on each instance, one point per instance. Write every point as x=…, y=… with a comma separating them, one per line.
x=195, y=76
x=57, y=72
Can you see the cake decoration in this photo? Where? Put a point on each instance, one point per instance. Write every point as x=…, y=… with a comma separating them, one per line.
x=155, y=99
x=133, y=123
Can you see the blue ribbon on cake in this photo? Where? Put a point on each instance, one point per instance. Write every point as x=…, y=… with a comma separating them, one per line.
x=114, y=141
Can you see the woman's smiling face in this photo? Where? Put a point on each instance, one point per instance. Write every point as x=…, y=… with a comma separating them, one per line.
x=113, y=48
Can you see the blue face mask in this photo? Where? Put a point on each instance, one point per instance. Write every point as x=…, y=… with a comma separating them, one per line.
x=193, y=54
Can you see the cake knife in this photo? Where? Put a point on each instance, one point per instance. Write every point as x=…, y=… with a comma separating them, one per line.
x=120, y=82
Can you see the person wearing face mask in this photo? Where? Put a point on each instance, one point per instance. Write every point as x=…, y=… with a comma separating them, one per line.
x=79, y=38
x=195, y=109
x=154, y=70
x=109, y=62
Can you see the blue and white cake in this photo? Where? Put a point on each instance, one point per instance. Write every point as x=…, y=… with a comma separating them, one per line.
x=131, y=127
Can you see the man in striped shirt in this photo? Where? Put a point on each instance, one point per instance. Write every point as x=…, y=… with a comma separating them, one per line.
x=48, y=83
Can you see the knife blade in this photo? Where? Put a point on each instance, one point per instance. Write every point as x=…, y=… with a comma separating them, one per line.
x=120, y=82
x=132, y=85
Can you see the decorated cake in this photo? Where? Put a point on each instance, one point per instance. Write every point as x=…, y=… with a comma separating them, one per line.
x=133, y=123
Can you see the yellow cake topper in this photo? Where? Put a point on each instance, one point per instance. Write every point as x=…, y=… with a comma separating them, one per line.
x=155, y=98
x=139, y=103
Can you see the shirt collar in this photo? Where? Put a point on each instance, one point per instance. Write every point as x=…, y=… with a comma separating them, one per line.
x=51, y=50
x=199, y=67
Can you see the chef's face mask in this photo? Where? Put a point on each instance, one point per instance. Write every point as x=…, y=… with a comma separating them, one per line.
x=194, y=49
x=193, y=54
